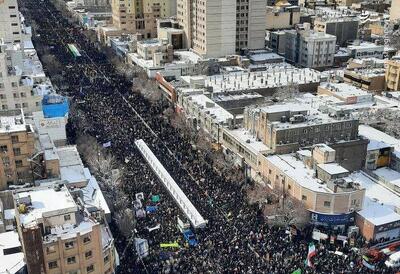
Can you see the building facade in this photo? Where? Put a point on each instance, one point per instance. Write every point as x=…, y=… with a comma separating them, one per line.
x=310, y=49
x=250, y=24
x=58, y=237
x=282, y=17
x=344, y=28
x=220, y=28
x=392, y=75
x=16, y=146
x=10, y=22
x=133, y=16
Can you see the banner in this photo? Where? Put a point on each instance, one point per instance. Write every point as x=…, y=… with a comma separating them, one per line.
x=108, y=144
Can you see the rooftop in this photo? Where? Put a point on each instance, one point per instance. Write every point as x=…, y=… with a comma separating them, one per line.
x=13, y=121
x=333, y=168
x=11, y=255
x=299, y=172
x=249, y=141
x=44, y=202
x=345, y=90
x=365, y=45
x=275, y=77
x=379, y=202
x=217, y=112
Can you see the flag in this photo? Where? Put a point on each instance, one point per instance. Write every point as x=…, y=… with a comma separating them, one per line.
x=108, y=144
x=297, y=271
x=311, y=253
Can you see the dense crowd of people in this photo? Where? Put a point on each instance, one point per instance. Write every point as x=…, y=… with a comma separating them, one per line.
x=237, y=239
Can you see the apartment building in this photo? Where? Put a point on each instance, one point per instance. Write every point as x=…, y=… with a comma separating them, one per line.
x=16, y=146
x=309, y=48
x=61, y=233
x=250, y=24
x=372, y=79
x=282, y=17
x=395, y=11
x=314, y=178
x=133, y=16
x=219, y=28
x=286, y=127
x=392, y=75
x=344, y=28
x=22, y=80
x=10, y=22
x=210, y=26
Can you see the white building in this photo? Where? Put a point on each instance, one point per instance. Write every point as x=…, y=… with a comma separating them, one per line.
x=366, y=50
x=22, y=80
x=10, y=22
x=309, y=48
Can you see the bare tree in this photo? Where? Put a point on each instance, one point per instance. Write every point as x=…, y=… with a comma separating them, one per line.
x=51, y=62
x=126, y=221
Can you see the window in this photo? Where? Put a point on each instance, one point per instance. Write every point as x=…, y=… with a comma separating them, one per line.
x=106, y=258
x=17, y=151
x=51, y=249
x=23, y=94
x=304, y=198
x=67, y=217
x=88, y=254
x=18, y=163
x=69, y=245
x=6, y=160
x=3, y=148
x=24, y=105
x=90, y=268
x=14, y=139
x=327, y=204
x=17, y=105
x=86, y=239
x=71, y=260
x=2, y=96
x=289, y=187
x=53, y=264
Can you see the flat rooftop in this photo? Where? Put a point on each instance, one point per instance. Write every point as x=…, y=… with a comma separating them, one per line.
x=45, y=202
x=276, y=77
x=366, y=45
x=248, y=140
x=333, y=168
x=379, y=202
x=217, y=112
x=299, y=172
x=13, y=121
x=11, y=255
x=345, y=90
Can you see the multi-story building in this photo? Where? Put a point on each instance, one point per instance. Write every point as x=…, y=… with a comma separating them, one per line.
x=61, y=233
x=309, y=48
x=10, y=22
x=372, y=79
x=392, y=75
x=395, y=11
x=220, y=28
x=250, y=24
x=282, y=17
x=366, y=50
x=22, y=80
x=344, y=28
x=275, y=2
x=133, y=16
x=314, y=178
x=348, y=94
x=286, y=127
x=16, y=146
x=156, y=50
x=210, y=26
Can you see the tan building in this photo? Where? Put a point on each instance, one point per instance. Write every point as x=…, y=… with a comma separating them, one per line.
x=10, y=23
x=60, y=233
x=395, y=10
x=210, y=26
x=153, y=49
x=22, y=80
x=286, y=127
x=16, y=146
x=140, y=16
x=250, y=24
x=282, y=17
x=219, y=28
x=368, y=79
x=312, y=176
x=392, y=76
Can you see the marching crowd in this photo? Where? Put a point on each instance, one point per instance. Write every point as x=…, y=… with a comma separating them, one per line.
x=236, y=239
